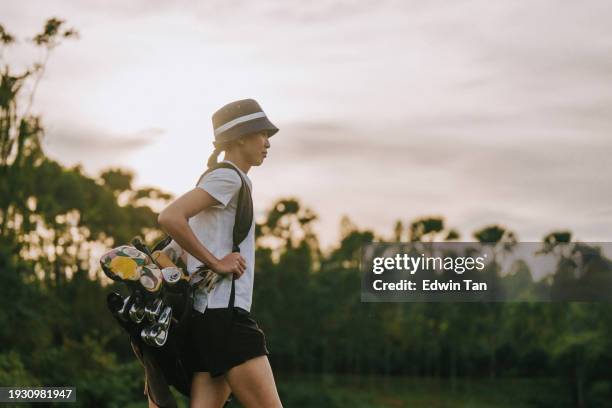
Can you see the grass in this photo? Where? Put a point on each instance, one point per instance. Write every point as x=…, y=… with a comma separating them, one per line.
x=341, y=391
x=398, y=392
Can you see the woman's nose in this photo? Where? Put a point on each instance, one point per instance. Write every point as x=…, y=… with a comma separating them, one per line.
x=267, y=144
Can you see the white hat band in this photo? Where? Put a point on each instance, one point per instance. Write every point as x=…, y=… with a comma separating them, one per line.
x=238, y=120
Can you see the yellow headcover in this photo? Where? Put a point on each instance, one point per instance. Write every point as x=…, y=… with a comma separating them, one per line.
x=124, y=263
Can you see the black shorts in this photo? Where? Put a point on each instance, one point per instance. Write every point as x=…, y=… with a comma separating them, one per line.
x=218, y=341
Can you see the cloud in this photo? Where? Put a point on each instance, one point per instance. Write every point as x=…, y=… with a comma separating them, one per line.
x=531, y=187
x=84, y=139
x=94, y=147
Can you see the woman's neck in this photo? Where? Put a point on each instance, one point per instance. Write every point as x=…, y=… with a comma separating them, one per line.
x=238, y=160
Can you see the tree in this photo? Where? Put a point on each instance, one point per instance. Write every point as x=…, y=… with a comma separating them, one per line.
x=502, y=240
x=20, y=131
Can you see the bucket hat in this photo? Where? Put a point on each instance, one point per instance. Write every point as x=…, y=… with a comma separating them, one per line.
x=238, y=119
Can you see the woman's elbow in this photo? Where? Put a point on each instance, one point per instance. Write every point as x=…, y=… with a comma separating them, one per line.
x=164, y=219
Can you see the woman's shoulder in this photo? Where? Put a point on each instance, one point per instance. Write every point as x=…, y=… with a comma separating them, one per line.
x=221, y=175
x=222, y=184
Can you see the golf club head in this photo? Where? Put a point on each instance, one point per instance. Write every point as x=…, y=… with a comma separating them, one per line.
x=154, y=336
x=154, y=309
x=161, y=336
x=123, y=311
x=145, y=335
x=137, y=313
x=165, y=318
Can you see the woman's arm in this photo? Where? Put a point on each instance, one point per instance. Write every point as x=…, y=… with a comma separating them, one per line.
x=174, y=220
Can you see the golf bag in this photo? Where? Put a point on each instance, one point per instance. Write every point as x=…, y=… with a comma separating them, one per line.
x=158, y=308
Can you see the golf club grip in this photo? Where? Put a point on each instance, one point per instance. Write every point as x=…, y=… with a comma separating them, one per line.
x=139, y=245
x=163, y=260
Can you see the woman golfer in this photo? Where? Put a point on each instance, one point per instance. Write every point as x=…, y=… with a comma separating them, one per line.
x=201, y=221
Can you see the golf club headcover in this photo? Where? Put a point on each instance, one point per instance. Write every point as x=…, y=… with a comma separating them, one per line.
x=124, y=263
x=151, y=278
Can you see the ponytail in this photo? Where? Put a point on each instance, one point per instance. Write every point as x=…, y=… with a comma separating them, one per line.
x=212, y=160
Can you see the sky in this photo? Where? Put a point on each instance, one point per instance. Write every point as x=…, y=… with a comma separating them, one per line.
x=482, y=112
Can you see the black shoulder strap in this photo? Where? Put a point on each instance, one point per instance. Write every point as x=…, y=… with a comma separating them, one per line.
x=244, y=216
x=244, y=208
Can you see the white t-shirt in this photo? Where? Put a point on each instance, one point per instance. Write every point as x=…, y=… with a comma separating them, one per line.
x=214, y=228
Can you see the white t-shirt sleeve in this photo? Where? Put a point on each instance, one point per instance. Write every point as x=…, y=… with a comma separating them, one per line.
x=221, y=184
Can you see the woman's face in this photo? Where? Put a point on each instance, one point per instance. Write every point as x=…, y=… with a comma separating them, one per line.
x=255, y=148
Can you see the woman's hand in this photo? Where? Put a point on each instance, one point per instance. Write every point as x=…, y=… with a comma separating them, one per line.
x=233, y=263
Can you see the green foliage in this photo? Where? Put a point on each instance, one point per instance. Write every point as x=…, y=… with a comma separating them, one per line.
x=558, y=237
x=492, y=233
x=53, y=32
x=100, y=379
x=117, y=180
x=5, y=37
x=425, y=226
x=12, y=371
